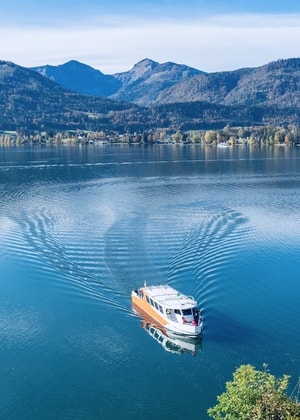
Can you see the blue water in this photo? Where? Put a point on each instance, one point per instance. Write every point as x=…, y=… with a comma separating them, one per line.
x=82, y=227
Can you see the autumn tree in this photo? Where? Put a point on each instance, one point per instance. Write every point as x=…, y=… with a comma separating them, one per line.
x=255, y=395
x=210, y=136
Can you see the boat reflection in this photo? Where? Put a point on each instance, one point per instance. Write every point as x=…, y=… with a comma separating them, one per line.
x=171, y=342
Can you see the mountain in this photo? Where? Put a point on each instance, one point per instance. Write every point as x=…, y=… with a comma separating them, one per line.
x=141, y=85
x=147, y=79
x=81, y=78
x=276, y=83
x=150, y=83
x=267, y=95
x=30, y=101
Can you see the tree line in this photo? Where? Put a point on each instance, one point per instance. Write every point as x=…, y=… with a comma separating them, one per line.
x=259, y=135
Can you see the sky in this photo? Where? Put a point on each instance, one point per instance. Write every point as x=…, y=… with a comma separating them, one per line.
x=113, y=35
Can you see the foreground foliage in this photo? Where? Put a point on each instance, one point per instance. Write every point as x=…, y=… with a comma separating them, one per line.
x=255, y=395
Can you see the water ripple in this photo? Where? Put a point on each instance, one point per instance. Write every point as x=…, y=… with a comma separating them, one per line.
x=37, y=241
x=206, y=251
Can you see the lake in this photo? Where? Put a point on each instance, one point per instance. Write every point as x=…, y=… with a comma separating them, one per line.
x=83, y=226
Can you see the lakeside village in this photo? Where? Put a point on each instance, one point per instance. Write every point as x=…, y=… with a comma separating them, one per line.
x=228, y=136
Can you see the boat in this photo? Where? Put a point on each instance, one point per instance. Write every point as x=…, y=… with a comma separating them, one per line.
x=169, y=308
x=223, y=144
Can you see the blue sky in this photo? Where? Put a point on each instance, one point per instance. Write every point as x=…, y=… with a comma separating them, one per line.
x=112, y=36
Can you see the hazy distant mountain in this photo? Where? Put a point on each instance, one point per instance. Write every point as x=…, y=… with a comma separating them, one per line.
x=276, y=83
x=147, y=79
x=149, y=83
x=81, y=78
x=141, y=85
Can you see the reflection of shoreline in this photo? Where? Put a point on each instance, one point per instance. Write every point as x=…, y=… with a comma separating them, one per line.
x=171, y=342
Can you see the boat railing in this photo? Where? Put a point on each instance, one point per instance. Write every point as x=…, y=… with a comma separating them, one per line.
x=138, y=293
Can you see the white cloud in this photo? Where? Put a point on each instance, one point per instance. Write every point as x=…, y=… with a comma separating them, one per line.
x=113, y=43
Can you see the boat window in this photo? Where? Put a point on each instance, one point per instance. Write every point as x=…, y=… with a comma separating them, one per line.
x=151, y=301
x=147, y=299
x=156, y=305
x=186, y=312
x=161, y=309
x=177, y=311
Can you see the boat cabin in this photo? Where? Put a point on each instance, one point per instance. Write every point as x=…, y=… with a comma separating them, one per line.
x=170, y=304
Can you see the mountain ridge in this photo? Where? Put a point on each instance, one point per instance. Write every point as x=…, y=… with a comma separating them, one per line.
x=80, y=78
x=31, y=101
x=174, y=97
x=150, y=83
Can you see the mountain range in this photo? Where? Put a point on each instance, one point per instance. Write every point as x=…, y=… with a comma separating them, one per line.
x=150, y=95
x=151, y=83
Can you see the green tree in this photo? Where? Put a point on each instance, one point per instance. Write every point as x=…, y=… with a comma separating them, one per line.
x=255, y=395
x=195, y=137
x=177, y=137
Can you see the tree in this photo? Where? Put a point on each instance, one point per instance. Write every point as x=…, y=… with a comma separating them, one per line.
x=177, y=137
x=195, y=137
x=255, y=395
x=210, y=136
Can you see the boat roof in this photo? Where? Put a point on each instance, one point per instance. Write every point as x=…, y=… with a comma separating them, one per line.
x=169, y=297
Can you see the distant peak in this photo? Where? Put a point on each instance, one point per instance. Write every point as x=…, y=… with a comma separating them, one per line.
x=146, y=63
x=77, y=66
x=73, y=63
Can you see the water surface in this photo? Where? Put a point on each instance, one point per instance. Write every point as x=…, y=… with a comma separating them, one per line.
x=82, y=227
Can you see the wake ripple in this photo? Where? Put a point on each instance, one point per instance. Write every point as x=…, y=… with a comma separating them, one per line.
x=72, y=263
x=207, y=251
